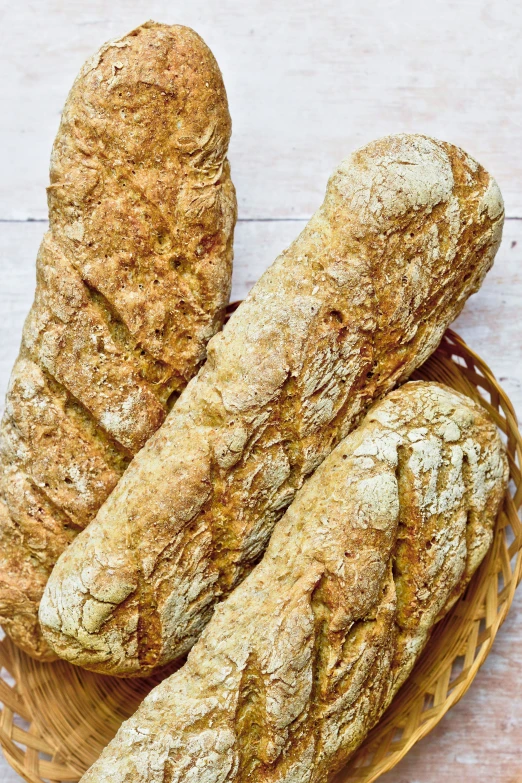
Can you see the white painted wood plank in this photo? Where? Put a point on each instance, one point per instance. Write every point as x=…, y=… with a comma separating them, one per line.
x=18, y=246
x=308, y=82
x=7, y=773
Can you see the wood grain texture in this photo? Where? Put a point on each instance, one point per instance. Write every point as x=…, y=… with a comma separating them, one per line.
x=308, y=82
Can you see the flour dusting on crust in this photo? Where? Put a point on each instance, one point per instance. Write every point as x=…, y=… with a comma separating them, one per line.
x=302, y=659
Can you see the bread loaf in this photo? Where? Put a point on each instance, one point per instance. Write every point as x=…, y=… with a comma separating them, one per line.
x=133, y=278
x=407, y=231
x=300, y=661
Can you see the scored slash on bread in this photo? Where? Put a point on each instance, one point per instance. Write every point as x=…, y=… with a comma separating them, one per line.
x=133, y=279
x=301, y=660
x=407, y=231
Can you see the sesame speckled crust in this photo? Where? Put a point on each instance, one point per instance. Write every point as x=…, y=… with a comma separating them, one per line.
x=133, y=279
x=408, y=229
x=302, y=659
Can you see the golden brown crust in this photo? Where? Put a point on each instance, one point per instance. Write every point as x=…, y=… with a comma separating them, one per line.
x=132, y=280
x=408, y=229
x=302, y=659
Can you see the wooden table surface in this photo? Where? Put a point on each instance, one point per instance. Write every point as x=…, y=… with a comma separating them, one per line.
x=308, y=82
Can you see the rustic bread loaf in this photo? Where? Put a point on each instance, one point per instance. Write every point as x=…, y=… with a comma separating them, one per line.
x=132, y=280
x=298, y=664
x=407, y=231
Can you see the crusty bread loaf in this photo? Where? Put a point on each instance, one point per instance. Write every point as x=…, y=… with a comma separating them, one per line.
x=298, y=664
x=132, y=280
x=407, y=231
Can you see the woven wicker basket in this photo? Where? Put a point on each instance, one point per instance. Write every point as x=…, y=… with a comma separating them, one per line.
x=56, y=718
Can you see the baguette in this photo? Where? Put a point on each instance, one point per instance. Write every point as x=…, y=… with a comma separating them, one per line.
x=301, y=660
x=407, y=231
x=133, y=278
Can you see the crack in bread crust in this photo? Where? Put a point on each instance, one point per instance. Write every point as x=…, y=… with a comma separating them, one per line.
x=408, y=229
x=301, y=660
x=133, y=279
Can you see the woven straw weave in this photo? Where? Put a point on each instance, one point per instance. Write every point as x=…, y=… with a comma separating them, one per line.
x=56, y=718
